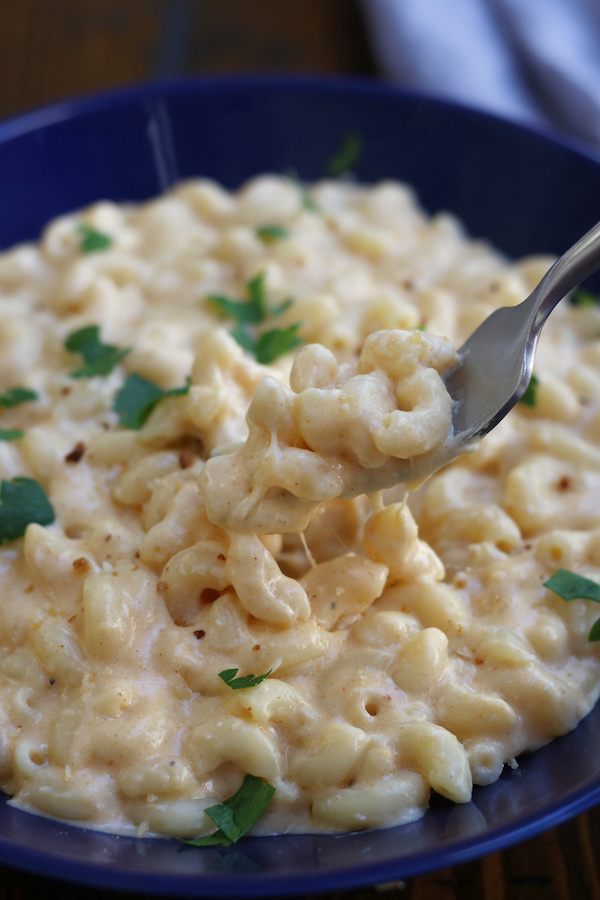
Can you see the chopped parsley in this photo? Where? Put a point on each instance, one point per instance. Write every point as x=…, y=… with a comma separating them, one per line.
x=570, y=586
x=307, y=201
x=347, y=156
x=269, y=234
x=245, y=681
x=92, y=241
x=22, y=502
x=11, y=434
x=245, y=312
x=245, y=338
x=252, y=311
x=529, y=397
x=584, y=298
x=17, y=395
x=271, y=344
x=237, y=814
x=99, y=358
x=138, y=397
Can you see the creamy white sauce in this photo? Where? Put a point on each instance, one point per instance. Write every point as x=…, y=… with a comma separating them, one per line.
x=419, y=650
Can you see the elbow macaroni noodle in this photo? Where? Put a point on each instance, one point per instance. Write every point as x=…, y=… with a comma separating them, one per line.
x=412, y=643
x=339, y=431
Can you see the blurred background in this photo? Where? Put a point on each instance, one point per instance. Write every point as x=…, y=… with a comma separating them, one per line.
x=54, y=49
x=535, y=61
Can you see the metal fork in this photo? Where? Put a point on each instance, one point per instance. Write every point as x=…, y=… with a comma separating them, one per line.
x=497, y=360
x=494, y=371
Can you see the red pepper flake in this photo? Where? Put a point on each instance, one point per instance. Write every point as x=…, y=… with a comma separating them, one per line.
x=256, y=647
x=221, y=556
x=186, y=459
x=76, y=453
x=199, y=634
x=81, y=566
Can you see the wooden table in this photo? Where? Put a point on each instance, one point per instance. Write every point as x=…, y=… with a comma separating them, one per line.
x=53, y=49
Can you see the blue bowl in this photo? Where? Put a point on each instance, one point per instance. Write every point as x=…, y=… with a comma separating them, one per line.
x=523, y=191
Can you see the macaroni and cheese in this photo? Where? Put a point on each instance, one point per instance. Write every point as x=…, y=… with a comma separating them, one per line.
x=206, y=387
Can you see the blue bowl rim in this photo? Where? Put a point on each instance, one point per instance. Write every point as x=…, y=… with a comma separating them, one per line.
x=102, y=100
x=260, y=884
x=266, y=885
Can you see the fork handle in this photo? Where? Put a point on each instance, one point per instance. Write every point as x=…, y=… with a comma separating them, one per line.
x=573, y=267
x=497, y=360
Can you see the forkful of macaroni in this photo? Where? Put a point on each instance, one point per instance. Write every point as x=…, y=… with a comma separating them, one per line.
x=411, y=405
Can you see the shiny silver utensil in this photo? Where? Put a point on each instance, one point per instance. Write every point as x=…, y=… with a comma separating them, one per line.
x=497, y=360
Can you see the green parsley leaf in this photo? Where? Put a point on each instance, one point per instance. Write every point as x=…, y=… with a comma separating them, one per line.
x=570, y=586
x=245, y=338
x=92, y=241
x=11, y=434
x=273, y=344
x=307, y=201
x=257, y=296
x=138, y=397
x=584, y=298
x=269, y=234
x=421, y=328
x=17, y=395
x=22, y=501
x=100, y=359
x=253, y=311
x=210, y=840
x=278, y=310
x=347, y=156
x=249, y=312
x=136, y=400
x=270, y=345
x=237, y=814
x=245, y=681
x=241, y=311
x=528, y=398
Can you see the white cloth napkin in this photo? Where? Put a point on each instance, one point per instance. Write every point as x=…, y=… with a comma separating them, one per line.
x=535, y=61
